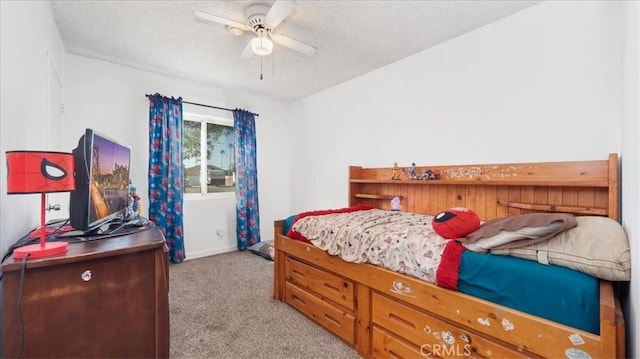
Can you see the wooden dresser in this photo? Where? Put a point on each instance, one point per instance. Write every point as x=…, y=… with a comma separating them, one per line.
x=103, y=298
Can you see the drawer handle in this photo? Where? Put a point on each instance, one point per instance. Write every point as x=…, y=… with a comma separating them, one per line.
x=298, y=299
x=337, y=323
x=401, y=320
x=331, y=287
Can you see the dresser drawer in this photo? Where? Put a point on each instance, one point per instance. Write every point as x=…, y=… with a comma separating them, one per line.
x=336, y=320
x=442, y=338
x=322, y=283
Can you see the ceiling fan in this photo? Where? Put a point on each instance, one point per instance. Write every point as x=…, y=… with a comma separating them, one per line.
x=263, y=21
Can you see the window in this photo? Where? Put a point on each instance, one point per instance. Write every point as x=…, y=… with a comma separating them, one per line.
x=208, y=154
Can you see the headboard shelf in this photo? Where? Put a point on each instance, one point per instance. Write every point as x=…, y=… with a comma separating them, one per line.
x=496, y=190
x=503, y=182
x=376, y=196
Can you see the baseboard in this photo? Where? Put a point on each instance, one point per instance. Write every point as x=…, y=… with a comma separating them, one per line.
x=200, y=254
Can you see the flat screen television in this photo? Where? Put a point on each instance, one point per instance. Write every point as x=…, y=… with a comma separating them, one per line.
x=102, y=182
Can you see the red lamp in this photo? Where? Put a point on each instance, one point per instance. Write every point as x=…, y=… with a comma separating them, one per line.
x=40, y=172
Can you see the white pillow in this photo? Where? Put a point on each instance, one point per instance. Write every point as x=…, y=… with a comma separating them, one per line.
x=597, y=246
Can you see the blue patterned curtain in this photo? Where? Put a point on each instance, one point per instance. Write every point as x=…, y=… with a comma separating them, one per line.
x=165, y=171
x=247, y=213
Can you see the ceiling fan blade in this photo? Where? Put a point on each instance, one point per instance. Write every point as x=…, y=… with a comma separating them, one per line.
x=278, y=12
x=248, y=51
x=294, y=44
x=220, y=20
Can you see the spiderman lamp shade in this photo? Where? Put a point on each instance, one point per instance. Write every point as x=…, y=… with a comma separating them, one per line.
x=40, y=172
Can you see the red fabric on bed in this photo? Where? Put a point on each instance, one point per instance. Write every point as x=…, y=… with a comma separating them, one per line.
x=447, y=272
x=297, y=236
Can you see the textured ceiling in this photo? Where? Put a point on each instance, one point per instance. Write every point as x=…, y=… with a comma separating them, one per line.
x=352, y=37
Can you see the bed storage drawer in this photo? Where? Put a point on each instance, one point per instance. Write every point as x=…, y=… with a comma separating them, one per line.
x=387, y=345
x=438, y=336
x=338, y=321
x=322, y=283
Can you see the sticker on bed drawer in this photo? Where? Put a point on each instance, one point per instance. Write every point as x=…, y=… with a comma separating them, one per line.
x=507, y=325
x=573, y=353
x=576, y=339
x=402, y=288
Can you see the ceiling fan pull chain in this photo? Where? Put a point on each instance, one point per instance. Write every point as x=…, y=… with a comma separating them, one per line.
x=261, y=67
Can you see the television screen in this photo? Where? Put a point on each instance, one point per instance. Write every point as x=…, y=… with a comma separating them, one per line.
x=102, y=182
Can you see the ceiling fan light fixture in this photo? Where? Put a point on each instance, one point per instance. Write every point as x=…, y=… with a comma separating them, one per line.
x=262, y=46
x=235, y=31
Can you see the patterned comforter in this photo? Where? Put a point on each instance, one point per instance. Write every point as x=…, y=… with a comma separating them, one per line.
x=399, y=241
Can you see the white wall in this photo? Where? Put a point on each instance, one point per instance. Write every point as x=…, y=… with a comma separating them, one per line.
x=526, y=88
x=31, y=69
x=545, y=84
x=111, y=99
x=631, y=166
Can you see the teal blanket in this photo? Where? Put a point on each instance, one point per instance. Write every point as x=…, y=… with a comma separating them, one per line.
x=548, y=291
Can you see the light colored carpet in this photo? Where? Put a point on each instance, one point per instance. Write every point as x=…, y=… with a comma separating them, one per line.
x=222, y=306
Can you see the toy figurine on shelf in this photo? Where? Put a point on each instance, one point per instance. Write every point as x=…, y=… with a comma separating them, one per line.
x=395, y=204
x=412, y=173
x=396, y=172
x=430, y=175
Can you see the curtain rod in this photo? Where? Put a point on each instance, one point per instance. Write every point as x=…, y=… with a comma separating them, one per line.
x=209, y=106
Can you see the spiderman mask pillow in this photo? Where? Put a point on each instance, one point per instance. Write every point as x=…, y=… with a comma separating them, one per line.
x=455, y=222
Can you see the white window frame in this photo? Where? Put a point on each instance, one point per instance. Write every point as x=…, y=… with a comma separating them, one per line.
x=204, y=119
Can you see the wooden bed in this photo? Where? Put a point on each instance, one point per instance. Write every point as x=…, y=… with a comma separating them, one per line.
x=358, y=303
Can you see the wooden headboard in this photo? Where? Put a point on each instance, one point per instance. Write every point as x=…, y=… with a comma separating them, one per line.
x=495, y=190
